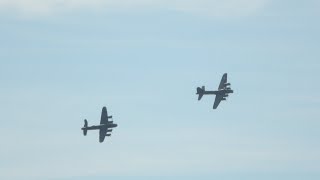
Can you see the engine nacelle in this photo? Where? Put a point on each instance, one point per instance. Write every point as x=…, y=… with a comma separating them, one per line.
x=108, y=134
x=110, y=122
x=226, y=95
x=227, y=84
x=223, y=99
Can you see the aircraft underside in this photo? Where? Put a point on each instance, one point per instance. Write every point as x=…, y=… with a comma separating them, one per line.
x=221, y=94
x=104, y=127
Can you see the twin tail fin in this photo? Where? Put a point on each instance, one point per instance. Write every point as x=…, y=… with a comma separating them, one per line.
x=84, y=129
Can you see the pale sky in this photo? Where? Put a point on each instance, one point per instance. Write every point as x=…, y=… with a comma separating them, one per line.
x=62, y=61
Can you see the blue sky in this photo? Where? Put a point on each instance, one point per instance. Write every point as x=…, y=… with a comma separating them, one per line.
x=61, y=61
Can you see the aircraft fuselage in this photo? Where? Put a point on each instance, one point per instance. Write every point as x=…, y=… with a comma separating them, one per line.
x=222, y=91
x=101, y=126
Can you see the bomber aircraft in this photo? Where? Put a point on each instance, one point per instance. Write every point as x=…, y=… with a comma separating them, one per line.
x=221, y=94
x=104, y=127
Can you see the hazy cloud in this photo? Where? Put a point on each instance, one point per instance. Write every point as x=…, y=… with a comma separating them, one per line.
x=217, y=8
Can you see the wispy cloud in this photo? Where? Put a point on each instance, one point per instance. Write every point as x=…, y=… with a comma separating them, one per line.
x=216, y=8
x=208, y=151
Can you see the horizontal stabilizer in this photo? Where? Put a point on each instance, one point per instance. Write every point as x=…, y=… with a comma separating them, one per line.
x=200, y=92
x=84, y=129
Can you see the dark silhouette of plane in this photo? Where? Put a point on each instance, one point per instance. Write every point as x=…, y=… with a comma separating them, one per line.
x=104, y=127
x=221, y=94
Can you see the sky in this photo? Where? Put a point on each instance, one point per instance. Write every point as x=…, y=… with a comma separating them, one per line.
x=62, y=61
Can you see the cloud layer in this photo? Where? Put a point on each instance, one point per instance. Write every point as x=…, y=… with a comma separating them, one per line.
x=216, y=8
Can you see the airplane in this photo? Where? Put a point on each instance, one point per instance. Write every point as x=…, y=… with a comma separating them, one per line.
x=221, y=94
x=104, y=127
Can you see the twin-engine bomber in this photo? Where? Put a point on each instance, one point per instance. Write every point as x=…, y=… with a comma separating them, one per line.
x=104, y=127
x=221, y=94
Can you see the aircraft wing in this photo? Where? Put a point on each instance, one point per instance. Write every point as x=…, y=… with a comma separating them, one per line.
x=224, y=80
x=104, y=116
x=102, y=134
x=217, y=101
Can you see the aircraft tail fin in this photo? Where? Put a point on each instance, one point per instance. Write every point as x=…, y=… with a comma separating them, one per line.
x=200, y=92
x=84, y=129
